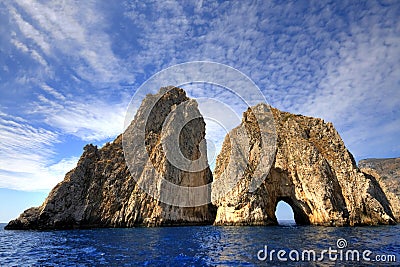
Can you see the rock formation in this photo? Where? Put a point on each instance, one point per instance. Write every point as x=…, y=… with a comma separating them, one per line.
x=388, y=170
x=101, y=192
x=313, y=172
x=387, y=173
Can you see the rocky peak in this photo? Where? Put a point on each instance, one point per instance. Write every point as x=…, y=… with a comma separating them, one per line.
x=102, y=191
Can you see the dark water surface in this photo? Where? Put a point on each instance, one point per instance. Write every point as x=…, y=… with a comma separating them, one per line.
x=195, y=246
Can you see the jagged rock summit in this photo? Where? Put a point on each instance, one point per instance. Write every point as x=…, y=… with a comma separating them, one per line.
x=311, y=170
x=101, y=192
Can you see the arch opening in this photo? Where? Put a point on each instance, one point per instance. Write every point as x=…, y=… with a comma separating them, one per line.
x=287, y=212
x=284, y=213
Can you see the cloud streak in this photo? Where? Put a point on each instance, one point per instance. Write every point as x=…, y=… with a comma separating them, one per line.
x=26, y=154
x=59, y=29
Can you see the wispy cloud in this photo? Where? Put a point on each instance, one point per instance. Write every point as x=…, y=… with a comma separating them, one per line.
x=28, y=151
x=360, y=90
x=175, y=32
x=26, y=156
x=69, y=29
x=35, y=55
x=54, y=93
x=88, y=118
x=29, y=31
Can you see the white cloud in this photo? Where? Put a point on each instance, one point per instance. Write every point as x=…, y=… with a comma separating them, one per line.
x=30, y=31
x=26, y=154
x=360, y=91
x=90, y=119
x=253, y=38
x=59, y=169
x=38, y=178
x=35, y=55
x=28, y=151
x=93, y=121
x=69, y=30
x=53, y=92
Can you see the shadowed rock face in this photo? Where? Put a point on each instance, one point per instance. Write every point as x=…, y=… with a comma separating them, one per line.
x=387, y=173
x=101, y=192
x=388, y=170
x=312, y=171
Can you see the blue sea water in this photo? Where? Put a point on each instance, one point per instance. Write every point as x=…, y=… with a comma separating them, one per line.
x=195, y=246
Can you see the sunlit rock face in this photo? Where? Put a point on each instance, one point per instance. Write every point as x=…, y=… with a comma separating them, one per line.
x=102, y=191
x=312, y=171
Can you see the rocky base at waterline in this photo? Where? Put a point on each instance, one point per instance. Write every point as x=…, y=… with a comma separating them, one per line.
x=311, y=170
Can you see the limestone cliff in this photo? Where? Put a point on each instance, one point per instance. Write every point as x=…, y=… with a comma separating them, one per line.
x=387, y=173
x=388, y=170
x=101, y=192
x=312, y=171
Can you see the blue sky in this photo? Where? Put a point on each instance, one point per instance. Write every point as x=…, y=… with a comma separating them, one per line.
x=68, y=70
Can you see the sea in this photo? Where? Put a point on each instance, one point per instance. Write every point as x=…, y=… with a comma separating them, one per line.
x=283, y=245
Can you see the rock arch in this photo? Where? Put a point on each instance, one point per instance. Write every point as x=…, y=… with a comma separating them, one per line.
x=300, y=217
x=312, y=171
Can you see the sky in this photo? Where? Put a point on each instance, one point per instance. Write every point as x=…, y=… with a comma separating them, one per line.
x=68, y=70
